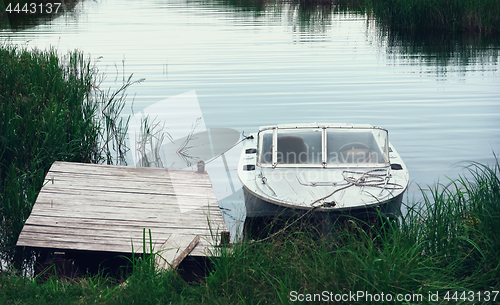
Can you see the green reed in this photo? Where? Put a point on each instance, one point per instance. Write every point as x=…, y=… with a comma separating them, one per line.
x=51, y=108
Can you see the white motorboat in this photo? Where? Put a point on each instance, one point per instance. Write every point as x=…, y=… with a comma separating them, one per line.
x=333, y=168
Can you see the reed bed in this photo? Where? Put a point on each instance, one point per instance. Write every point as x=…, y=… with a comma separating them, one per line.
x=51, y=108
x=473, y=16
x=477, y=17
x=446, y=243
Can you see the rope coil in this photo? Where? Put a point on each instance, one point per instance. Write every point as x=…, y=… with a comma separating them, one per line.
x=368, y=179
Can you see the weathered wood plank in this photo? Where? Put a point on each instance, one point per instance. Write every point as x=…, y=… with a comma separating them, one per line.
x=107, y=223
x=121, y=236
x=164, y=210
x=124, y=172
x=130, y=213
x=174, y=250
x=112, y=186
x=106, y=208
x=106, y=244
x=49, y=200
x=48, y=218
x=162, y=175
x=129, y=187
x=116, y=225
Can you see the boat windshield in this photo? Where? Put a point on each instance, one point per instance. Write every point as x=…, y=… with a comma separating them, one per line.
x=323, y=146
x=299, y=146
x=357, y=146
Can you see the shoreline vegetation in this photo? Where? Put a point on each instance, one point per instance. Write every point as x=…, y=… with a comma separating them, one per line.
x=52, y=109
x=478, y=17
x=457, y=16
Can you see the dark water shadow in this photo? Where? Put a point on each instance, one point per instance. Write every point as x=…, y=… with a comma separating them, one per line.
x=443, y=49
x=302, y=16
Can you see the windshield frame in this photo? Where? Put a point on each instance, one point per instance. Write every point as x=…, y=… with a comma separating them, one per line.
x=380, y=144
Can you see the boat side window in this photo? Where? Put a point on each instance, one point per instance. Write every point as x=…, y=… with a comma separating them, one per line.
x=355, y=146
x=265, y=146
x=299, y=146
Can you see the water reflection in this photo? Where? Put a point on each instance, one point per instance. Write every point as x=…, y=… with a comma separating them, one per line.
x=444, y=49
x=313, y=20
x=256, y=7
x=302, y=16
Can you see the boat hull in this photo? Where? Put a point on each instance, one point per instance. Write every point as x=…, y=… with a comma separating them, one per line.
x=259, y=207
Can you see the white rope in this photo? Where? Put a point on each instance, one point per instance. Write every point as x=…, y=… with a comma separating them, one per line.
x=369, y=179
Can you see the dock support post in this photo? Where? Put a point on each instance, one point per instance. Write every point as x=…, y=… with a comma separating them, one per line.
x=201, y=167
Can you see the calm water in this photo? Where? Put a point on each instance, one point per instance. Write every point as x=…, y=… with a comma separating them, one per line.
x=440, y=100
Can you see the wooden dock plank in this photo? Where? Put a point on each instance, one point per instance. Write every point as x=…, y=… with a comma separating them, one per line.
x=104, y=205
x=134, y=245
x=128, y=186
x=56, y=199
x=55, y=241
x=124, y=239
x=124, y=172
x=106, y=208
x=49, y=220
x=174, y=250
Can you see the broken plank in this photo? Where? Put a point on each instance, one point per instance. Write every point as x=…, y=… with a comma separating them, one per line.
x=174, y=250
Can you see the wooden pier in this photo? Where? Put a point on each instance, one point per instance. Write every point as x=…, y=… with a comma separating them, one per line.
x=106, y=208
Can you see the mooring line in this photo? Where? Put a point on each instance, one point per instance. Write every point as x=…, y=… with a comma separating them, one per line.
x=245, y=138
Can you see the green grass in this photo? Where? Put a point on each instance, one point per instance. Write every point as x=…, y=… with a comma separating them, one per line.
x=50, y=109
